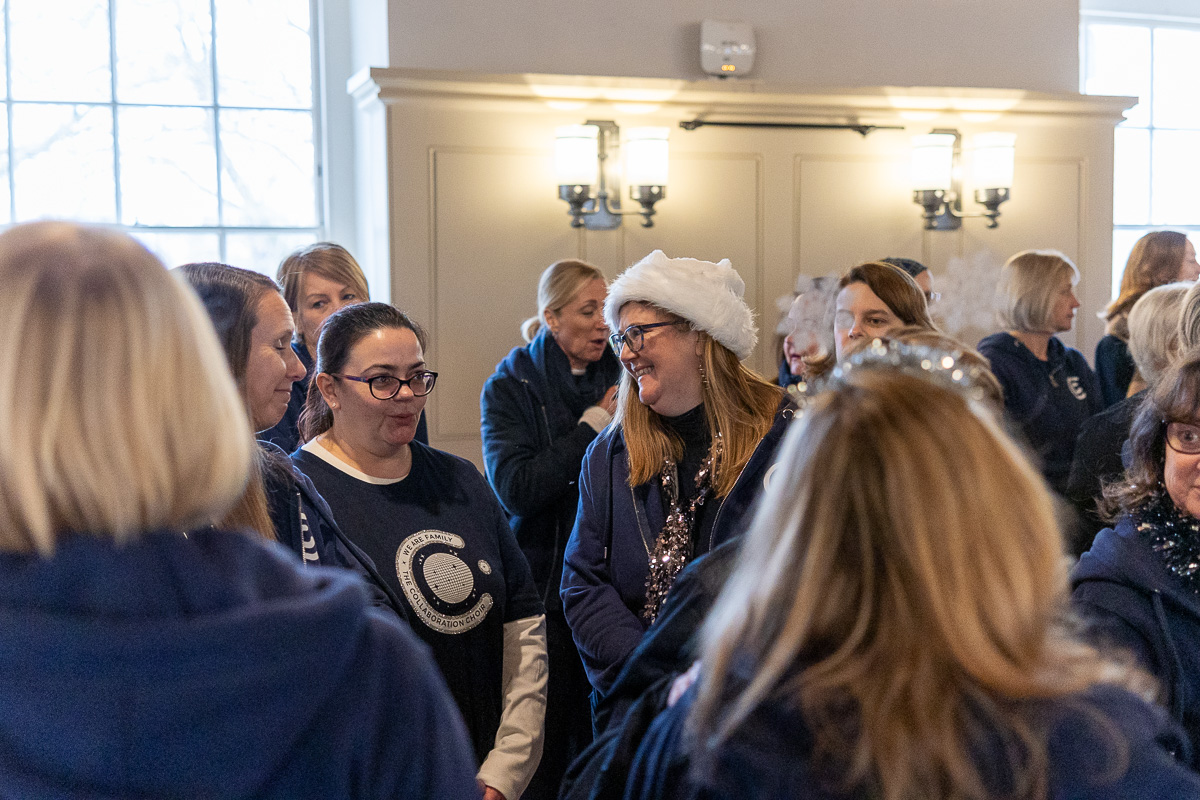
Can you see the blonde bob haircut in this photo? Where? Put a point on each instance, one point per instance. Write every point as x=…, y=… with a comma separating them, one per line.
x=119, y=412
x=329, y=260
x=903, y=586
x=1028, y=284
x=559, y=284
x=739, y=406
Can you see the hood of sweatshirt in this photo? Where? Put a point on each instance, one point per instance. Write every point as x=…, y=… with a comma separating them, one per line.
x=167, y=662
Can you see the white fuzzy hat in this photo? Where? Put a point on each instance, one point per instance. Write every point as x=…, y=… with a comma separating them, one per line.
x=708, y=295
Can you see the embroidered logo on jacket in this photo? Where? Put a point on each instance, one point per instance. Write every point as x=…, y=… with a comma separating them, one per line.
x=1076, y=389
x=438, y=584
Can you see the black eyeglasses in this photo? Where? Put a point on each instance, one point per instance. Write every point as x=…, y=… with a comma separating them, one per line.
x=635, y=336
x=1183, y=438
x=385, y=387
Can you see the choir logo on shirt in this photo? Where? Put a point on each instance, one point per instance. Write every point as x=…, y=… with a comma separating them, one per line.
x=439, y=585
x=1076, y=389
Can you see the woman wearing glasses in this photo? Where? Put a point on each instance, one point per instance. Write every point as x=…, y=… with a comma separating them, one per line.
x=431, y=521
x=146, y=653
x=254, y=327
x=689, y=449
x=1139, y=585
x=541, y=409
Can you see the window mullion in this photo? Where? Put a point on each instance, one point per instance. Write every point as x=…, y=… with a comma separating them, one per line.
x=112, y=104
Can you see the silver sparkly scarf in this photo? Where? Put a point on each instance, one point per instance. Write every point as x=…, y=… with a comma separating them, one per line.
x=673, y=547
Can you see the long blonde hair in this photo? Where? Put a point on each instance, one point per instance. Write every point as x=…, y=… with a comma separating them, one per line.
x=903, y=586
x=118, y=411
x=739, y=405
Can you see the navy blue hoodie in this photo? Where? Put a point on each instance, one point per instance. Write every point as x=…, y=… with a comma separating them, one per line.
x=213, y=666
x=608, y=555
x=770, y=756
x=1125, y=592
x=1049, y=400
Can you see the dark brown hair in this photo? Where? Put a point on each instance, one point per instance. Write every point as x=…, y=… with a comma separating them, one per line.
x=230, y=296
x=1174, y=398
x=344, y=329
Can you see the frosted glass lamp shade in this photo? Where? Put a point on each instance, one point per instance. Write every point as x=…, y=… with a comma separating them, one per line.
x=993, y=167
x=576, y=149
x=932, y=162
x=646, y=156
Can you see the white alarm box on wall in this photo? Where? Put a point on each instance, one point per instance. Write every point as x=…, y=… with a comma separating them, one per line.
x=726, y=48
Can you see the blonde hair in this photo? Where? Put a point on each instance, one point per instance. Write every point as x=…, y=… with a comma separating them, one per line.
x=739, y=406
x=1028, y=283
x=903, y=586
x=328, y=260
x=1155, y=260
x=559, y=284
x=1154, y=329
x=119, y=413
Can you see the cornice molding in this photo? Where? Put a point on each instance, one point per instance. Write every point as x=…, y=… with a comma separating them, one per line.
x=716, y=99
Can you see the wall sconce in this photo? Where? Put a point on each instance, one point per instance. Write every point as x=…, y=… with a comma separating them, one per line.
x=937, y=176
x=588, y=167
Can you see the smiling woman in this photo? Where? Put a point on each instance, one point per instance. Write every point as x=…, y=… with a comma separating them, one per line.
x=433, y=521
x=673, y=477
x=1138, y=585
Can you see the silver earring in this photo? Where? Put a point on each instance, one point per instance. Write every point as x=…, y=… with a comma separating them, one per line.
x=703, y=375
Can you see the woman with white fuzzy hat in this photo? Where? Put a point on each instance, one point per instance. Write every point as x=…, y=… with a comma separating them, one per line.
x=690, y=447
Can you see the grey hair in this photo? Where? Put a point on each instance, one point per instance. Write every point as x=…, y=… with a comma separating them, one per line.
x=1154, y=329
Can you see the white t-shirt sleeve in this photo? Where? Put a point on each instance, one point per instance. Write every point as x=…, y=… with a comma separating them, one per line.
x=510, y=765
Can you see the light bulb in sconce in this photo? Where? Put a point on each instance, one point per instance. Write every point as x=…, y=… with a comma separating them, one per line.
x=575, y=151
x=993, y=168
x=933, y=162
x=937, y=179
x=646, y=166
x=588, y=167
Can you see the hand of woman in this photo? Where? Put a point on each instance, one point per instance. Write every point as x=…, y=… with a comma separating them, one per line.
x=682, y=684
x=491, y=794
x=609, y=401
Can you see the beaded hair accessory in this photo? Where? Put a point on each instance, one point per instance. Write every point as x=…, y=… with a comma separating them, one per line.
x=941, y=367
x=673, y=547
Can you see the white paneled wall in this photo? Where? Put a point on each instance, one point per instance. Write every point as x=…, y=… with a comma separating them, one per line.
x=467, y=205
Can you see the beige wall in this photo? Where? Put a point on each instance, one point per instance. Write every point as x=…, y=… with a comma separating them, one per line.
x=1021, y=44
x=466, y=201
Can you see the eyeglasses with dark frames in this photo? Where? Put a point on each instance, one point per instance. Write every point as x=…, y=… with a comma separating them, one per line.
x=385, y=387
x=635, y=336
x=1183, y=437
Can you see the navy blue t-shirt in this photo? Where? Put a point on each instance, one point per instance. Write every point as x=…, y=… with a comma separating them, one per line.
x=440, y=538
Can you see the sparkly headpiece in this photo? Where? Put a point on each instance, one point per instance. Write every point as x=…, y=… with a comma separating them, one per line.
x=942, y=367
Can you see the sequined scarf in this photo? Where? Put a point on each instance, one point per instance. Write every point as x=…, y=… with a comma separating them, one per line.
x=1174, y=536
x=673, y=547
